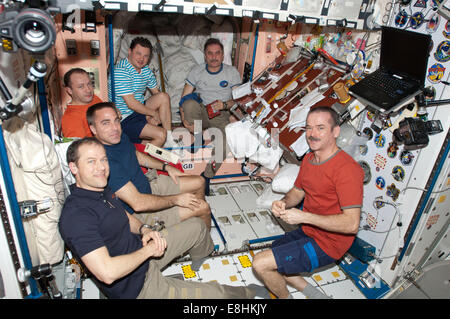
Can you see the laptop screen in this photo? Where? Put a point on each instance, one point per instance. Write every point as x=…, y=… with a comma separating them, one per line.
x=405, y=52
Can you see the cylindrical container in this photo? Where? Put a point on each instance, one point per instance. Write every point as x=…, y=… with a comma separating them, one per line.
x=341, y=92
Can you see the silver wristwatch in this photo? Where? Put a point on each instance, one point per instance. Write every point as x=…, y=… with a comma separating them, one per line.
x=145, y=226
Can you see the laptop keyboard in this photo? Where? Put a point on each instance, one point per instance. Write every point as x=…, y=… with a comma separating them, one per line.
x=391, y=85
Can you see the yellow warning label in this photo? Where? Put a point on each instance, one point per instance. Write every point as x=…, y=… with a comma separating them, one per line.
x=188, y=272
x=245, y=261
x=335, y=274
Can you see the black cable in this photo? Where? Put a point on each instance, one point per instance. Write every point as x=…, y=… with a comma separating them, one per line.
x=7, y=95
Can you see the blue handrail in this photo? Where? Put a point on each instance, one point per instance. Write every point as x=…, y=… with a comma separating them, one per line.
x=44, y=108
x=111, y=58
x=254, y=52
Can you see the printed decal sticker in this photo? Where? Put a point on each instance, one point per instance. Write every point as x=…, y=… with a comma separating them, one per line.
x=398, y=173
x=379, y=140
x=401, y=19
x=380, y=161
x=421, y=4
x=368, y=132
x=442, y=51
x=433, y=23
x=417, y=20
x=380, y=183
x=446, y=32
x=393, y=192
x=392, y=150
x=435, y=73
x=406, y=157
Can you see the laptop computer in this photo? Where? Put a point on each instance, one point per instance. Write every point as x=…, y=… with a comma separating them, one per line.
x=401, y=74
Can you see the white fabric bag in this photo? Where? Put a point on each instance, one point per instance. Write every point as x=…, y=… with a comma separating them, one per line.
x=283, y=182
x=37, y=176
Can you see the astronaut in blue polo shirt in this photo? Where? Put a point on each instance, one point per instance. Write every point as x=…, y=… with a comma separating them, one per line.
x=172, y=198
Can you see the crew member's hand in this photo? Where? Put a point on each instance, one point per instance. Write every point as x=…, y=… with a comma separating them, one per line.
x=155, y=243
x=188, y=200
x=217, y=105
x=155, y=117
x=186, y=123
x=277, y=207
x=152, y=120
x=174, y=173
x=291, y=216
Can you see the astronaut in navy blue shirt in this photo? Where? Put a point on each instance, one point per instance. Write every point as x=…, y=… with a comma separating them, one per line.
x=107, y=239
x=91, y=211
x=177, y=196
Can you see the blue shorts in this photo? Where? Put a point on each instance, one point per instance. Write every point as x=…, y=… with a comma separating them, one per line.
x=133, y=125
x=295, y=253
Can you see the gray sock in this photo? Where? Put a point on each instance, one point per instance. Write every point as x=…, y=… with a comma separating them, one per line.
x=314, y=293
x=259, y=291
x=196, y=264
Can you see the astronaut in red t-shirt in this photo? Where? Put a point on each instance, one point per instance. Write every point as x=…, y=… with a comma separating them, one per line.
x=79, y=86
x=331, y=184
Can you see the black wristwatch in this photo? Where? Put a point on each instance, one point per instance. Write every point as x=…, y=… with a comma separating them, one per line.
x=225, y=105
x=164, y=166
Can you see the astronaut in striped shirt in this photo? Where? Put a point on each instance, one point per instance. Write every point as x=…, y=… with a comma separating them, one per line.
x=141, y=118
